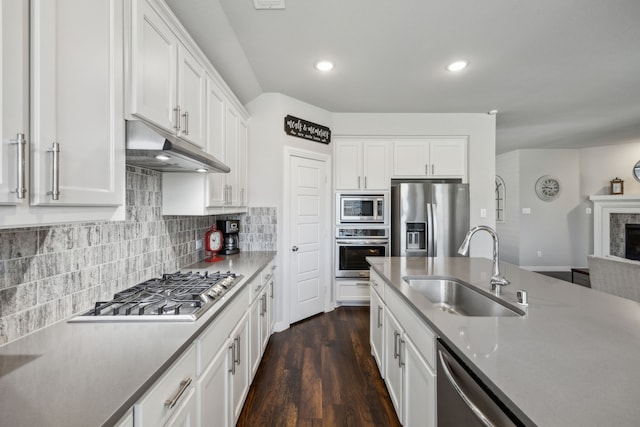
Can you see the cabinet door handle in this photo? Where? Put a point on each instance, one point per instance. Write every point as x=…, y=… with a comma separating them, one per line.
x=185, y=116
x=242, y=196
x=395, y=344
x=365, y=182
x=237, y=356
x=21, y=188
x=176, y=117
x=263, y=310
x=271, y=291
x=55, y=171
x=171, y=402
x=232, y=347
x=400, y=361
x=358, y=182
x=433, y=169
x=379, y=317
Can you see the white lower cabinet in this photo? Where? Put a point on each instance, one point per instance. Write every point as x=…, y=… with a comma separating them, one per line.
x=185, y=415
x=404, y=349
x=239, y=367
x=127, y=420
x=393, y=362
x=419, y=387
x=377, y=330
x=170, y=394
x=212, y=392
x=352, y=292
x=209, y=383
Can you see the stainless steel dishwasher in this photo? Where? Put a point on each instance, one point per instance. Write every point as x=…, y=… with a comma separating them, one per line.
x=463, y=400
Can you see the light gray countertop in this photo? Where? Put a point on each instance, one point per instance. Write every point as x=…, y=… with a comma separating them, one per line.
x=572, y=360
x=90, y=374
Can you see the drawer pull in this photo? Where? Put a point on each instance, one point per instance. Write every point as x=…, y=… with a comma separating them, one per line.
x=184, y=385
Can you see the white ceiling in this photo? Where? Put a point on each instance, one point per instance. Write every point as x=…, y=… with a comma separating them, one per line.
x=562, y=74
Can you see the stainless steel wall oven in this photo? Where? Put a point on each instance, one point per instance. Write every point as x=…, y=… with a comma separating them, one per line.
x=354, y=244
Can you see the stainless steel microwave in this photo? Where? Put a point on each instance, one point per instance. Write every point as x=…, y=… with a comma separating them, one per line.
x=360, y=208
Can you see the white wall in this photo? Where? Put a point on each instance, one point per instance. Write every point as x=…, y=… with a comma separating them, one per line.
x=481, y=131
x=562, y=230
x=548, y=228
x=508, y=167
x=267, y=141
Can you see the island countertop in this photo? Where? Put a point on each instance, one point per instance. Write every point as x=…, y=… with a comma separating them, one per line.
x=573, y=359
x=90, y=374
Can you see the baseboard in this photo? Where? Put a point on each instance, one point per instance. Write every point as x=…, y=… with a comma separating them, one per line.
x=280, y=326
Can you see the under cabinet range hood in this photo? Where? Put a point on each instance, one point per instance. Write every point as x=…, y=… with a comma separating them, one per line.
x=152, y=148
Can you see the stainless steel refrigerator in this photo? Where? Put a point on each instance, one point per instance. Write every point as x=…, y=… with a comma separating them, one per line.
x=428, y=218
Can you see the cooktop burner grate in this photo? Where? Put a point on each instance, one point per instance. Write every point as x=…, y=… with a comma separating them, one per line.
x=172, y=297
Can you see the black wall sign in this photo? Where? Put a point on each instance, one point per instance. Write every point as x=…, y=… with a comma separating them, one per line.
x=306, y=130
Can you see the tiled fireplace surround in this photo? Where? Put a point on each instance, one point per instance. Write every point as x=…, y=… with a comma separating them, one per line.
x=617, y=222
x=610, y=214
x=49, y=273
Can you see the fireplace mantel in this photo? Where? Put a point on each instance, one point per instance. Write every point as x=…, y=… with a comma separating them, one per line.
x=603, y=207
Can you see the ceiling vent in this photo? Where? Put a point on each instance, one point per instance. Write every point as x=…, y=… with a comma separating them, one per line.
x=269, y=4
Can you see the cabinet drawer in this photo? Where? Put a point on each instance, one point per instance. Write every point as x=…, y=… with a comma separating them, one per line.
x=355, y=291
x=422, y=336
x=167, y=394
x=268, y=272
x=212, y=339
x=377, y=283
x=255, y=288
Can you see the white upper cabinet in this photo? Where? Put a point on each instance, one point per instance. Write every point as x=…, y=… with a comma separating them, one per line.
x=192, y=91
x=236, y=145
x=153, y=62
x=430, y=158
x=448, y=157
x=168, y=83
x=216, y=106
x=14, y=90
x=77, y=126
x=362, y=165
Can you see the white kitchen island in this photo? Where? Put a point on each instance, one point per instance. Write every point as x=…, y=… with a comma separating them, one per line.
x=571, y=360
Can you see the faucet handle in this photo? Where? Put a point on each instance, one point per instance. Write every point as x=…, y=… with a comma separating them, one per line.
x=498, y=281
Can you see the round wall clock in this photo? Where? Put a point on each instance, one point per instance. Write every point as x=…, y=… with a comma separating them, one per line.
x=547, y=188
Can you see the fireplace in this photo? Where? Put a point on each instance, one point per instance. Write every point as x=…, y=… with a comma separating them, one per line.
x=632, y=241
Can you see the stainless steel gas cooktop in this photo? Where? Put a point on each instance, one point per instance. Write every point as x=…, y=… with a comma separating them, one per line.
x=173, y=297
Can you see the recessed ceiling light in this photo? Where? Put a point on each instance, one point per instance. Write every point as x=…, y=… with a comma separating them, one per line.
x=162, y=157
x=492, y=112
x=324, y=65
x=458, y=65
x=201, y=170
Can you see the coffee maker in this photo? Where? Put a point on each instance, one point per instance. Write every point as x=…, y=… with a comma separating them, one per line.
x=230, y=229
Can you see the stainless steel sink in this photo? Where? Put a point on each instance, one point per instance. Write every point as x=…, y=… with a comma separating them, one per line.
x=457, y=297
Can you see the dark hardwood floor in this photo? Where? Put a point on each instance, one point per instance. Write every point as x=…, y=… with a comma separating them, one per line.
x=320, y=372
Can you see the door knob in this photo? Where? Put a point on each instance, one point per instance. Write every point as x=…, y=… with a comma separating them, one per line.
x=294, y=249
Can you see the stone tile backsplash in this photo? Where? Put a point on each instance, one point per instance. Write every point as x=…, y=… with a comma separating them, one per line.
x=50, y=273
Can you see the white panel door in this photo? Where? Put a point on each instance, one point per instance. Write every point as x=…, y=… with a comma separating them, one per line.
x=309, y=252
x=192, y=85
x=153, y=67
x=14, y=85
x=77, y=100
x=215, y=126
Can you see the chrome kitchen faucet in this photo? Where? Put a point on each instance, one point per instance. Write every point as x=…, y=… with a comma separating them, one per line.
x=497, y=281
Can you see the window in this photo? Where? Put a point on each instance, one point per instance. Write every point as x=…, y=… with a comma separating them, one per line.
x=500, y=199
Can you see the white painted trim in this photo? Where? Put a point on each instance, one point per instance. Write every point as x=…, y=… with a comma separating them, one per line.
x=286, y=238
